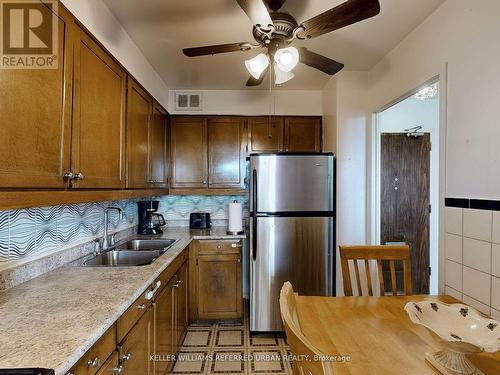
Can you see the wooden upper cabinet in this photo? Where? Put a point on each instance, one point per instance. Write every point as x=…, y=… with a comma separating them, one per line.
x=226, y=152
x=265, y=134
x=35, y=119
x=98, y=116
x=139, y=111
x=188, y=150
x=302, y=134
x=158, y=147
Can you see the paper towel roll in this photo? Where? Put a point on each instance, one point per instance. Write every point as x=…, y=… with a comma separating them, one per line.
x=235, y=217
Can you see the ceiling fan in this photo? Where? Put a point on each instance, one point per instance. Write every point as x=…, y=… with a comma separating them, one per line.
x=276, y=30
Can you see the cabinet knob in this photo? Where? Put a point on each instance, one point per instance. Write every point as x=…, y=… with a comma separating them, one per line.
x=118, y=370
x=78, y=176
x=94, y=363
x=127, y=357
x=142, y=306
x=69, y=176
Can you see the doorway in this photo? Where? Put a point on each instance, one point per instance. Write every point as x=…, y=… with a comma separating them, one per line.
x=407, y=181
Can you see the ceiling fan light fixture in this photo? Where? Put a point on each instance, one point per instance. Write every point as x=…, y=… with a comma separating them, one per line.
x=287, y=58
x=257, y=65
x=281, y=76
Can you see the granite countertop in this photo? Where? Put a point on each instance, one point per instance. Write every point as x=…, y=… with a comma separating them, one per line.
x=52, y=320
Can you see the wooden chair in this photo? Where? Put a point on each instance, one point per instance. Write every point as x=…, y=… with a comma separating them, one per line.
x=378, y=253
x=304, y=362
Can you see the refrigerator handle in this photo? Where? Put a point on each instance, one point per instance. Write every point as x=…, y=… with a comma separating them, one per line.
x=254, y=214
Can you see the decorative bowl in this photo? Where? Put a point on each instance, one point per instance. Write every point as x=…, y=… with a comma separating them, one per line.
x=463, y=329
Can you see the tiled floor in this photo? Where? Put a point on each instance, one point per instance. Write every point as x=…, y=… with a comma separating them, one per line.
x=229, y=348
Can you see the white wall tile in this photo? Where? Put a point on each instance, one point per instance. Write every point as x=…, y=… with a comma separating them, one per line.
x=453, y=247
x=496, y=227
x=485, y=309
x=495, y=259
x=495, y=313
x=453, y=275
x=477, y=254
x=452, y=292
x=476, y=284
x=495, y=292
x=453, y=220
x=477, y=224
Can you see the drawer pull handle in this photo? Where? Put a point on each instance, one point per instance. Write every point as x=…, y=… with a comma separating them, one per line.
x=142, y=306
x=177, y=284
x=126, y=357
x=150, y=294
x=235, y=245
x=118, y=370
x=94, y=363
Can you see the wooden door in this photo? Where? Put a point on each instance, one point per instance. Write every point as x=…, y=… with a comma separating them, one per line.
x=188, y=145
x=164, y=316
x=219, y=286
x=405, y=171
x=98, y=116
x=302, y=134
x=158, y=166
x=265, y=134
x=226, y=152
x=139, y=111
x=181, y=304
x=138, y=346
x=35, y=112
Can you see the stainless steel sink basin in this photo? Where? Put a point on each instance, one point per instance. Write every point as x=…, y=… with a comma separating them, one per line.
x=122, y=258
x=147, y=244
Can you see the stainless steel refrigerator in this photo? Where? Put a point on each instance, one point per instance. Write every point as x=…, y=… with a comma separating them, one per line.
x=292, y=215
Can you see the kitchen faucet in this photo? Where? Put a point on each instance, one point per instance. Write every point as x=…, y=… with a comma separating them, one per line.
x=106, y=243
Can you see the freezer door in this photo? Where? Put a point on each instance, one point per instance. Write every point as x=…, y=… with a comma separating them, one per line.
x=292, y=182
x=295, y=249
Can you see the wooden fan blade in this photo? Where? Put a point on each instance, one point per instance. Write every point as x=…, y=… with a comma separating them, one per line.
x=256, y=11
x=319, y=62
x=219, y=48
x=256, y=82
x=345, y=14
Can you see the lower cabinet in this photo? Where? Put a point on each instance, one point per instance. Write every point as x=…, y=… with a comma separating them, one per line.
x=136, y=348
x=216, y=283
x=148, y=334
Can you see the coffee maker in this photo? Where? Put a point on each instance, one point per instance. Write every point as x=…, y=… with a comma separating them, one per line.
x=149, y=221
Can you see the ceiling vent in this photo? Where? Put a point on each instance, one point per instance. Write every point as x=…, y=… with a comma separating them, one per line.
x=188, y=101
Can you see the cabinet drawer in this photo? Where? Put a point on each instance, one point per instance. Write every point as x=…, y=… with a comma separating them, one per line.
x=219, y=246
x=132, y=315
x=93, y=360
x=111, y=367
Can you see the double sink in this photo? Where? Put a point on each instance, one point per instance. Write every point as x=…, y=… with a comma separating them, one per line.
x=136, y=252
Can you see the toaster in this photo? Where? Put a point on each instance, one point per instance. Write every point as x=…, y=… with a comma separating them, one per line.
x=199, y=220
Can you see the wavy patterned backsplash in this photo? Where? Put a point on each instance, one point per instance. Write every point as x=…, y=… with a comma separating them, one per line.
x=176, y=209
x=31, y=232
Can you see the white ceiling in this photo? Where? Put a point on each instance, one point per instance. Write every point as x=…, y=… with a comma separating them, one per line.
x=162, y=28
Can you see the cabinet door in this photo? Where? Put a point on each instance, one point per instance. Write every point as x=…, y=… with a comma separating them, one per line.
x=265, y=134
x=164, y=316
x=139, y=111
x=35, y=119
x=303, y=134
x=137, y=347
x=188, y=145
x=219, y=286
x=158, y=167
x=98, y=116
x=111, y=366
x=181, y=303
x=226, y=152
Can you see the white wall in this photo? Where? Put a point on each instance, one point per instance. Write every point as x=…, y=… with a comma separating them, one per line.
x=98, y=19
x=464, y=34
x=404, y=115
x=256, y=102
x=330, y=116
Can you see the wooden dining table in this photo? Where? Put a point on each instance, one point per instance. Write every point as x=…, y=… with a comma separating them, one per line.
x=374, y=335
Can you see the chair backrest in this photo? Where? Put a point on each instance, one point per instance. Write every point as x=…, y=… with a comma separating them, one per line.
x=378, y=253
x=305, y=355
